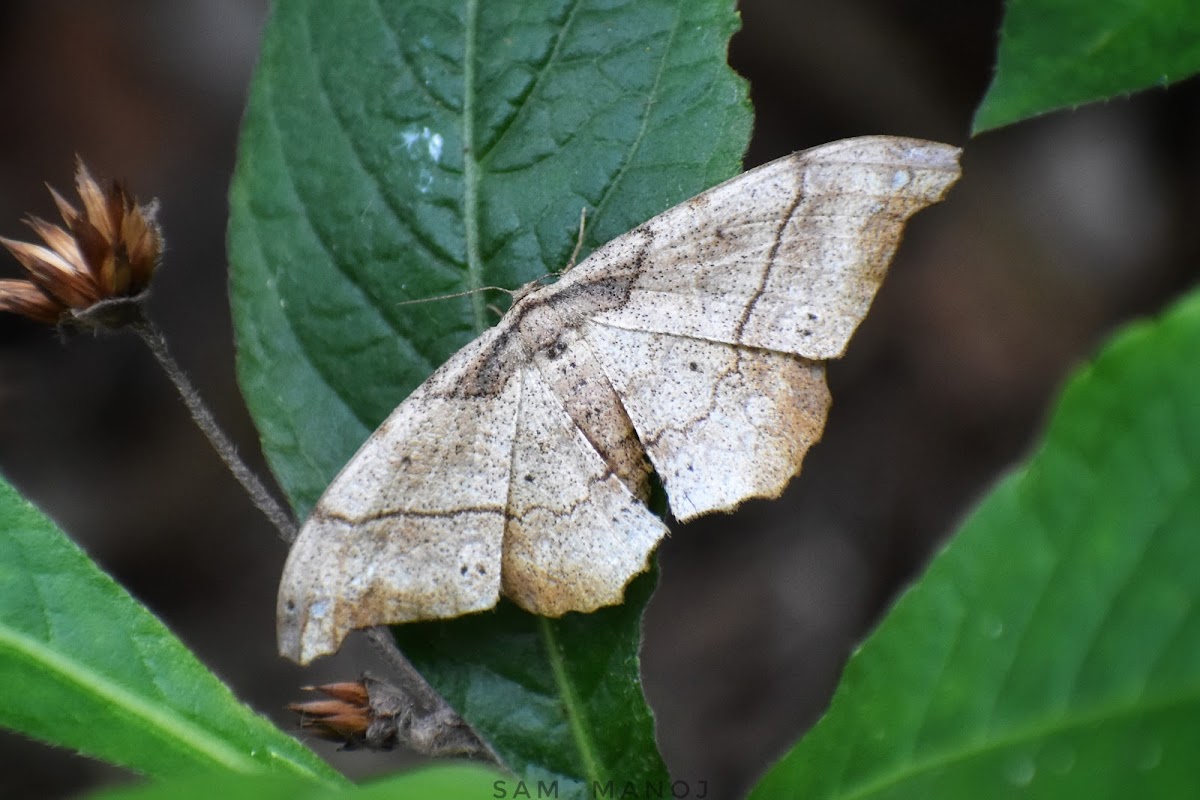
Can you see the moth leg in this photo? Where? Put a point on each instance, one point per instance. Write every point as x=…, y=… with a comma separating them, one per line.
x=578, y=241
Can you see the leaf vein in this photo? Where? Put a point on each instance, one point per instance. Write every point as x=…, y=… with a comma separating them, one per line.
x=572, y=704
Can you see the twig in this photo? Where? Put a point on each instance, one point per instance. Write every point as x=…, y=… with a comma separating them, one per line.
x=433, y=727
x=259, y=494
x=423, y=718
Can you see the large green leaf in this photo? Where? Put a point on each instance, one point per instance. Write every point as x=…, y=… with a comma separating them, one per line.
x=402, y=150
x=1053, y=649
x=83, y=665
x=1060, y=53
x=442, y=781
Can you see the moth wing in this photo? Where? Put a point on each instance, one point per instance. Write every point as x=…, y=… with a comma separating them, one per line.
x=412, y=527
x=576, y=532
x=746, y=288
x=787, y=256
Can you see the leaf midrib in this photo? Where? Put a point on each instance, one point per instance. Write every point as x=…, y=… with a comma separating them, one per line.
x=192, y=737
x=1032, y=733
x=572, y=705
x=471, y=177
x=471, y=172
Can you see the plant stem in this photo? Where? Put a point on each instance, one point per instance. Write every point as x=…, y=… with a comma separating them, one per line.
x=438, y=730
x=266, y=502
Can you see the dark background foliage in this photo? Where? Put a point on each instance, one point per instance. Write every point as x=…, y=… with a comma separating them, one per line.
x=1062, y=228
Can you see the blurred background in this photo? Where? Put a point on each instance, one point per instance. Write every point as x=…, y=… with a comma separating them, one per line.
x=1061, y=229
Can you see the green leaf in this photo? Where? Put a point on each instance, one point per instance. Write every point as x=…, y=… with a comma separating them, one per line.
x=1061, y=53
x=449, y=781
x=1053, y=648
x=405, y=150
x=83, y=665
x=558, y=699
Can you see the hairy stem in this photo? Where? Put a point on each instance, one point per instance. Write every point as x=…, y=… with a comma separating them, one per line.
x=259, y=494
x=437, y=729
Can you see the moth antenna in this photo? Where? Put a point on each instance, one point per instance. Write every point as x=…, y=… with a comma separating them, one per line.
x=466, y=293
x=515, y=294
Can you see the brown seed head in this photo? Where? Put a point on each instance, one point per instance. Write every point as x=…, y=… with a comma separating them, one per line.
x=357, y=714
x=106, y=254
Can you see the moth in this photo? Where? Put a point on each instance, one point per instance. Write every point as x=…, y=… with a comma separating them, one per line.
x=690, y=348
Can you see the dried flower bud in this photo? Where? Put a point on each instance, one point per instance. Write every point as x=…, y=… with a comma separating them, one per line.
x=94, y=272
x=364, y=713
x=374, y=714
